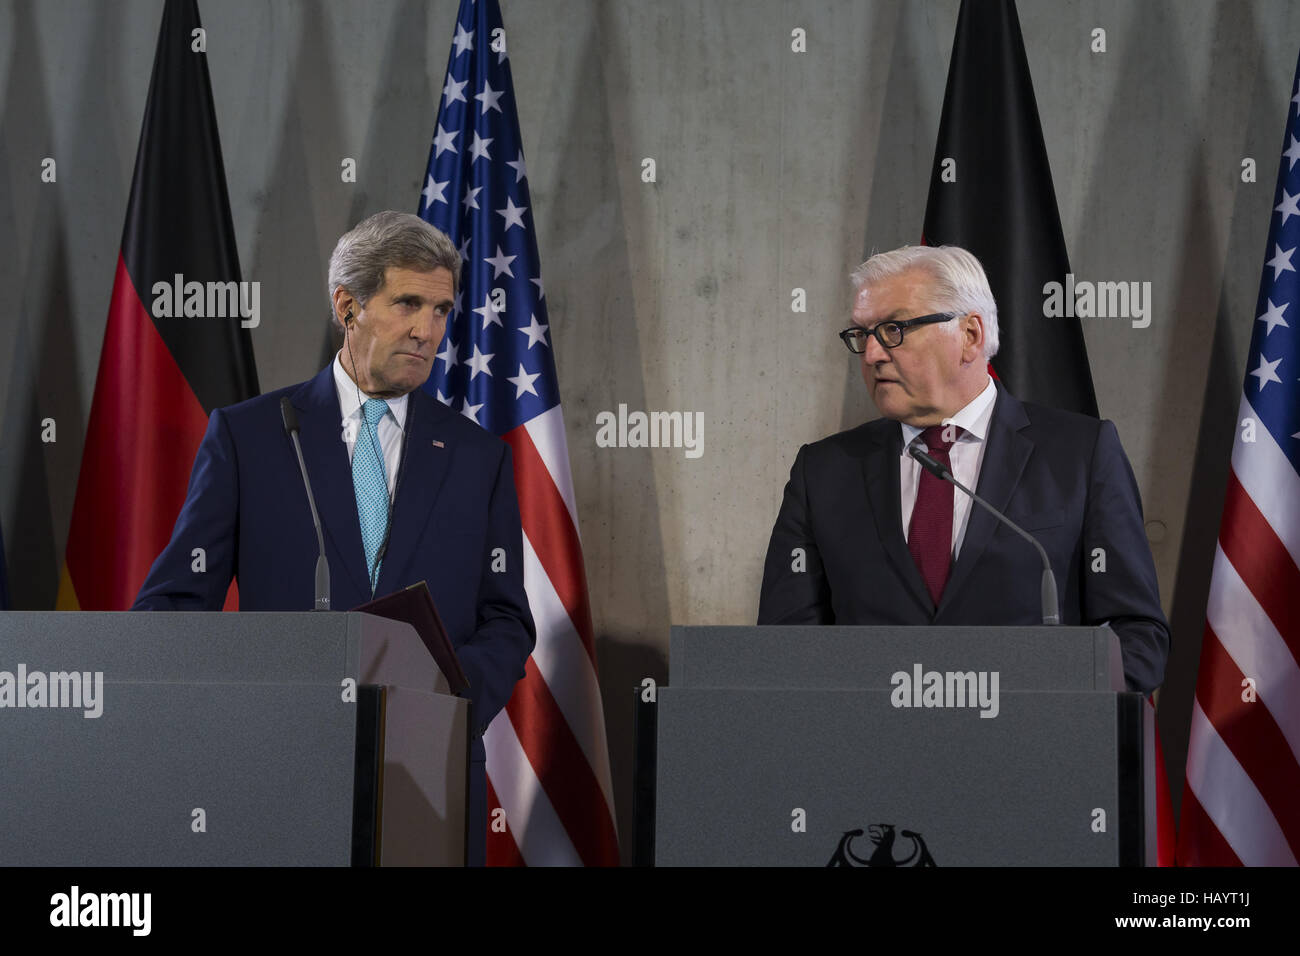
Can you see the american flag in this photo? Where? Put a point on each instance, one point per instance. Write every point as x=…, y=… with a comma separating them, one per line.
x=1241, y=801
x=547, y=759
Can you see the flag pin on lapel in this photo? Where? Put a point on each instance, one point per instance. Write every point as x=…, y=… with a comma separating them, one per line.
x=438, y=444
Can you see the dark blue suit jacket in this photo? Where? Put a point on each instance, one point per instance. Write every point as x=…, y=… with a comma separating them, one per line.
x=1061, y=476
x=246, y=507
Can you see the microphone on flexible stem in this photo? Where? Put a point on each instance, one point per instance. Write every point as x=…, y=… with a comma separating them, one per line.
x=1051, y=614
x=322, y=566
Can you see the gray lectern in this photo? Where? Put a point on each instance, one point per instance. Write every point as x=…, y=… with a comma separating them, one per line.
x=174, y=739
x=877, y=746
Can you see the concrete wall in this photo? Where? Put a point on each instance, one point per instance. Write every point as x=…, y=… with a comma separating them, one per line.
x=775, y=170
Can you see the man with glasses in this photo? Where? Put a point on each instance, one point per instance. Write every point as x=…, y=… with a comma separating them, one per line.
x=865, y=535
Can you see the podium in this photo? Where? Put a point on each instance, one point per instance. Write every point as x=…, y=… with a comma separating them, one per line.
x=880, y=746
x=283, y=739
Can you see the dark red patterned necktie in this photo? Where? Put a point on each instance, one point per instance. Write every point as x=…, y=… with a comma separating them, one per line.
x=929, y=536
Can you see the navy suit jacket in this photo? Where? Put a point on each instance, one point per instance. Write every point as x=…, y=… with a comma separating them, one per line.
x=1061, y=476
x=456, y=503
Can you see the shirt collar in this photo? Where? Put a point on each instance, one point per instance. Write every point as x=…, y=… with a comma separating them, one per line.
x=348, y=389
x=974, y=418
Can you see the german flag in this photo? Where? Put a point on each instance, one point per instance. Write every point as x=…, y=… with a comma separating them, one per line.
x=991, y=193
x=162, y=369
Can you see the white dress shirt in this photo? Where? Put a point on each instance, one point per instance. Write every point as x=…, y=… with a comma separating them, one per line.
x=965, y=457
x=353, y=425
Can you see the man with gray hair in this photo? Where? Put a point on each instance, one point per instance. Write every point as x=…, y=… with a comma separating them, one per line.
x=407, y=490
x=865, y=535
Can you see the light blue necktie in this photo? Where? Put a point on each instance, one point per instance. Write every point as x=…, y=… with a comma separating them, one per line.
x=371, y=485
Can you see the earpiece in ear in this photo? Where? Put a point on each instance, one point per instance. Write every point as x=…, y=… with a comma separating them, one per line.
x=347, y=319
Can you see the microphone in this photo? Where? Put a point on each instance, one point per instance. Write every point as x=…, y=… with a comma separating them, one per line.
x=1051, y=615
x=322, y=566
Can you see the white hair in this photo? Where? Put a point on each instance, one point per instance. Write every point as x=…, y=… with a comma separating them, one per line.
x=958, y=282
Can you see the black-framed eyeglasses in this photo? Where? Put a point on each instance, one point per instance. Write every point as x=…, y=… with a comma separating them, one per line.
x=888, y=334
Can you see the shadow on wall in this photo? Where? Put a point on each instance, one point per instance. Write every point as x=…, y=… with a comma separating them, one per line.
x=904, y=149
x=39, y=477
x=617, y=498
x=287, y=255
x=401, y=124
x=1235, y=30
x=1126, y=168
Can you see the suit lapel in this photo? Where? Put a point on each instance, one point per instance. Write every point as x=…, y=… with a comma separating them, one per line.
x=1000, y=470
x=421, y=477
x=880, y=468
x=321, y=421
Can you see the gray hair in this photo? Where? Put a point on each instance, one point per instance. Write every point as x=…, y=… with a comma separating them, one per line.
x=386, y=240
x=958, y=282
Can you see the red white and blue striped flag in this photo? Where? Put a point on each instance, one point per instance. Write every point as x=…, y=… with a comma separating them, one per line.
x=547, y=759
x=1241, y=801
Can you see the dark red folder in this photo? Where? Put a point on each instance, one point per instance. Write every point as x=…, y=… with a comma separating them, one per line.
x=414, y=605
